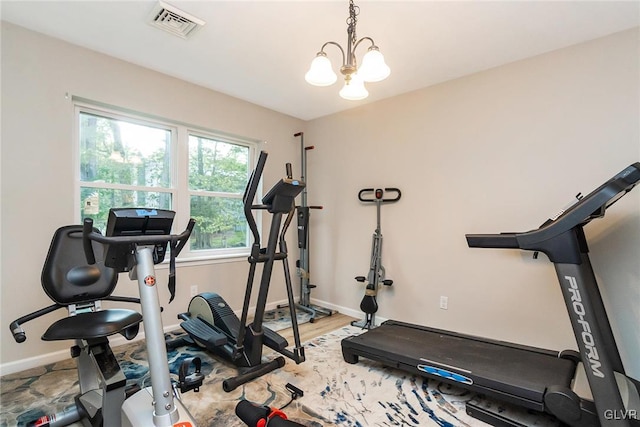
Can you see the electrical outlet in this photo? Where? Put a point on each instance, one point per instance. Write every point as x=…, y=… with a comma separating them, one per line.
x=194, y=290
x=444, y=302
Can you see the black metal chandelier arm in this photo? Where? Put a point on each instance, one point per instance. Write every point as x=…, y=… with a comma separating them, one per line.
x=339, y=47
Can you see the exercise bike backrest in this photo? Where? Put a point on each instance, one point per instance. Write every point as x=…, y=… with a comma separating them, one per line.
x=66, y=277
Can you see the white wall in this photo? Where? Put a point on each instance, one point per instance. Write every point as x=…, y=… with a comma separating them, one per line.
x=38, y=171
x=500, y=150
x=496, y=151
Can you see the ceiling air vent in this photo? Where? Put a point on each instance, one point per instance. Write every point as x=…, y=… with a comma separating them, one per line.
x=174, y=20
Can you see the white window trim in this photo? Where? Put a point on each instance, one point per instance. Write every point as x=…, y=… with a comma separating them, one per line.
x=179, y=173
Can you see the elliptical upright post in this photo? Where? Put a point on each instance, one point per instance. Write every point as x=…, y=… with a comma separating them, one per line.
x=302, y=264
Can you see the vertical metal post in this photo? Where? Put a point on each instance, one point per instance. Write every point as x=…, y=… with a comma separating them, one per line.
x=165, y=412
x=266, y=272
x=304, y=261
x=304, y=251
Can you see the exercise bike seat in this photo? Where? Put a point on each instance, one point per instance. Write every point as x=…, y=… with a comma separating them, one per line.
x=68, y=280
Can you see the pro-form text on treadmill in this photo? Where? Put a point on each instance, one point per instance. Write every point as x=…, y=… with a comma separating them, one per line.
x=587, y=336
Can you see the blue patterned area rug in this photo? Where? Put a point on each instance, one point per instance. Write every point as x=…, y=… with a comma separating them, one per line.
x=335, y=393
x=280, y=318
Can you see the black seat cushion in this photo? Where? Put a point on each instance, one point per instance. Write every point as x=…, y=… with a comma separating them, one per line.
x=94, y=325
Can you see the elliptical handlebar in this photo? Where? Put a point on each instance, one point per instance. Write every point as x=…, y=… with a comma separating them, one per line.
x=250, y=193
x=378, y=195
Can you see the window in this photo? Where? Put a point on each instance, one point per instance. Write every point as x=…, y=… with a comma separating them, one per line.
x=218, y=174
x=129, y=161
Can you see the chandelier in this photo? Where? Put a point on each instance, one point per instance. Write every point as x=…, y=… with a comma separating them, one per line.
x=372, y=69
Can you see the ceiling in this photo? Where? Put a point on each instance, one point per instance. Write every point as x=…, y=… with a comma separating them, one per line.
x=259, y=50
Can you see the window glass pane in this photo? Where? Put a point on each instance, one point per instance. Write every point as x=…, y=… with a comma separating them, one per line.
x=119, y=152
x=217, y=165
x=220, y=223
x=96, y=202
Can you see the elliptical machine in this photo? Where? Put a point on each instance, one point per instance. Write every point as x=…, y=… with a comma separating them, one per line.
x=212, y=324
x=136, y=240
x=377, y=275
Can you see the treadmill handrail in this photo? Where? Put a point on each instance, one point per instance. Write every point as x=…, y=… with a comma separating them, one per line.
x=589, y=207
x=502, y=240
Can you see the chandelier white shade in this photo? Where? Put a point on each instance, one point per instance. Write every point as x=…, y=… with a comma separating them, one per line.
x=372, y=69
x=354, y=89
x=320, y=73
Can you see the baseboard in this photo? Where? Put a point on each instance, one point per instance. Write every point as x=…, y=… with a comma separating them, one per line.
x=346, y=310
x=117, y=340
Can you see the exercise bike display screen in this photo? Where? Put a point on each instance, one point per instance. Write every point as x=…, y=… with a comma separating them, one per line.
x=133, y=222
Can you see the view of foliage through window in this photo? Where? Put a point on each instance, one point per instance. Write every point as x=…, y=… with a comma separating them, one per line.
x=122, y=165
x=218, y=173
x=127, y=164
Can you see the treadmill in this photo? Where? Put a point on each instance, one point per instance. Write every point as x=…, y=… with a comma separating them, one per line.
x=585, y=388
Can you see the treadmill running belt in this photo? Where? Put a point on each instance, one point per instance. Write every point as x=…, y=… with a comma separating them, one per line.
x=519, y=374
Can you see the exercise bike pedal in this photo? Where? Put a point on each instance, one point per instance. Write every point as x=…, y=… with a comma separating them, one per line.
x=190, y=381
x=387, y=282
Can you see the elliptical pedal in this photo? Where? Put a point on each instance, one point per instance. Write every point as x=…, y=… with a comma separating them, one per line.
x=208, y=334
x=274, y=340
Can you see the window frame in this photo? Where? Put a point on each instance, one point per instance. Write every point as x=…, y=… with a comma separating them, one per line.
x=179, y=171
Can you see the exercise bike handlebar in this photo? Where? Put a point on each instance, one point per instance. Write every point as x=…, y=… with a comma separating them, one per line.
x=88, y=234
x=378, y=195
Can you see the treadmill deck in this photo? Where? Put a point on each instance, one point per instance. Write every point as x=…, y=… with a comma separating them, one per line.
x=514, y=373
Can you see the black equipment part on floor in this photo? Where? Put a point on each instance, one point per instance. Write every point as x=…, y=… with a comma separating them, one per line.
x=517, y=373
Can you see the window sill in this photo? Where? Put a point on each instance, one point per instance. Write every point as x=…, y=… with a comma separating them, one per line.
x=205, y=260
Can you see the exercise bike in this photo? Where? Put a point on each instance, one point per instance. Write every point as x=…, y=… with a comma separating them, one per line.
x=377, y=274
x=211, y=323
x=135, y=240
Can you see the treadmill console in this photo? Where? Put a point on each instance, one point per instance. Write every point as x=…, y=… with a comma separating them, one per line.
x=548, y=238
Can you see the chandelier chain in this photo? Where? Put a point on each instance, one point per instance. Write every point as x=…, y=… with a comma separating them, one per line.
x=352, y=20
